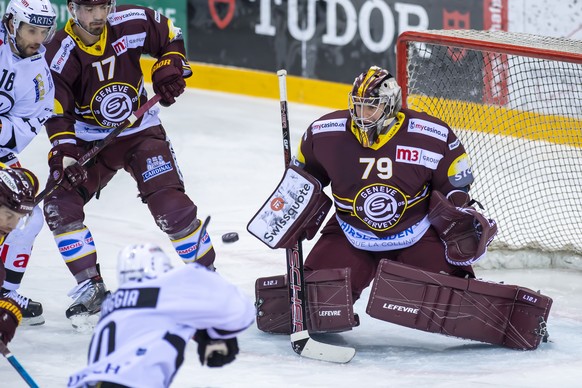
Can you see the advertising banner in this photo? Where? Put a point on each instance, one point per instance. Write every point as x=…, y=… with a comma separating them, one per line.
x=173, y=9
x=332, y=40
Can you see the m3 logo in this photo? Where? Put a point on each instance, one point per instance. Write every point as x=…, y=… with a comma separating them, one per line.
x=413, y=155
x=407, y=154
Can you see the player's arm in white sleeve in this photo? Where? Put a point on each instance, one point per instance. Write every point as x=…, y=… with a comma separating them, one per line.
x=215, y=304
x=21, y=125
x=237, y=314
x=218, y=310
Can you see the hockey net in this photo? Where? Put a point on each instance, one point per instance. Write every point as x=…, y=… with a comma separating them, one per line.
x=515, y=101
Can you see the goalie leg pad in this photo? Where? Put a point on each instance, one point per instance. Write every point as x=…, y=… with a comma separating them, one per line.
x=329, y=302
x=506, y=315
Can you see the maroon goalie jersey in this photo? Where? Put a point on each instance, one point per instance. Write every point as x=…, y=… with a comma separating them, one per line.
x=99, y=86
x=382, y=192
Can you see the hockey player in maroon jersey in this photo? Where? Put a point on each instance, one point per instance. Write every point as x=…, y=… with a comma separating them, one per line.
x=95, y=62
x=400, y=181
x=383, y=163
x=17, y=189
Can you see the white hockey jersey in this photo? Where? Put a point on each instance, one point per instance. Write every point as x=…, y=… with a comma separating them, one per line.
x=27, y=95
x=145, y=326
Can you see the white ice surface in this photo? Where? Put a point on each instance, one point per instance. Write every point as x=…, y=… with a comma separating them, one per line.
x=230, y=152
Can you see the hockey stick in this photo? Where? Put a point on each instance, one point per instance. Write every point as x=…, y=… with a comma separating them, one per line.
x=301, y=342
x=14, y=362
x=52, y=184
x=202, y=232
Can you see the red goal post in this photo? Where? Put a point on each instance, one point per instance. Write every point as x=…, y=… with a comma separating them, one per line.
x=515, y=101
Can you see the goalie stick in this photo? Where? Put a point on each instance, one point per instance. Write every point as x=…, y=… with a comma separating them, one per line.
x=52, y=184
x=301, y=341
x=14, y=362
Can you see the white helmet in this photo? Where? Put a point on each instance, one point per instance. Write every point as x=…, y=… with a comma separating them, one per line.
x=38, y=13
x=141, y=261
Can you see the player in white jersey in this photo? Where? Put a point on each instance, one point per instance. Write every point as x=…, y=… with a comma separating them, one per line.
x=26, y=102
x=17, y=189
x=146, y=324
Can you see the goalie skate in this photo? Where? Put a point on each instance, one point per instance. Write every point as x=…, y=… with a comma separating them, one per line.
x=88, y=296
x=31, y=310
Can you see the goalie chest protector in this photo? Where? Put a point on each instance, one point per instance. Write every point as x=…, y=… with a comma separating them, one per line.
x=500, y=314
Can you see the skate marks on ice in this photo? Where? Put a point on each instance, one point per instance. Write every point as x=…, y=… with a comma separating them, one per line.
x=387, y=355
x=84, y=323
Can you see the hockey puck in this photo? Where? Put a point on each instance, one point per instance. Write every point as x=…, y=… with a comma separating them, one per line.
x=230, y=237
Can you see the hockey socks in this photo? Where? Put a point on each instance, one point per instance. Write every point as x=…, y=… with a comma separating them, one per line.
x=188, y=249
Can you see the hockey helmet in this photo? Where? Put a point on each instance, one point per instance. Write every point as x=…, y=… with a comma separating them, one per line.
x=374, y=101
x=91, y=3
x=141, y=261
x=17, y=189
x=37, y=13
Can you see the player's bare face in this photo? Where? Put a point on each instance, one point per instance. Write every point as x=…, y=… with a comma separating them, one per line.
x=29, y=38
x=8, y=220
x=92, y=18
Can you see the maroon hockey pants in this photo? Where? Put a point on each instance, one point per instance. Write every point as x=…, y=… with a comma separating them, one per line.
x=333, y=250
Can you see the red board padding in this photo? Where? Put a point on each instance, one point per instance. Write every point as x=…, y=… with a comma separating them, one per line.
x=499, y=314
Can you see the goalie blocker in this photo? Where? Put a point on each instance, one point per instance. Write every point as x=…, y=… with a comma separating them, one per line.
x=294, y=211
x=499, y=314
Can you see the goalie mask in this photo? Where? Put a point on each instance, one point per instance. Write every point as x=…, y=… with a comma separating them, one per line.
x=374, y=101
x=141, y=261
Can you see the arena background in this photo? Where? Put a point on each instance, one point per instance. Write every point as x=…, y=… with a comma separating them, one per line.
x=236, y=46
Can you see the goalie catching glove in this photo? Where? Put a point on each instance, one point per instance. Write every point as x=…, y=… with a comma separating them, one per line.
x=215, y=352
x=464, y=231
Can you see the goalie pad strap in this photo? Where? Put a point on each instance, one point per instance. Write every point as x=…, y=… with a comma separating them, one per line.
x=294, y=211
x=329, y=302
x=499, y=314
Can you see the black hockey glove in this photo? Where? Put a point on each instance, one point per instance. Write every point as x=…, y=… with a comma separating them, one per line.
x=168, y=78
x=64, y=167
x=215, y=352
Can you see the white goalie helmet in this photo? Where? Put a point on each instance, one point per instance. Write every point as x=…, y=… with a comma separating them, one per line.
x=141, y=261
x=37, y=13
